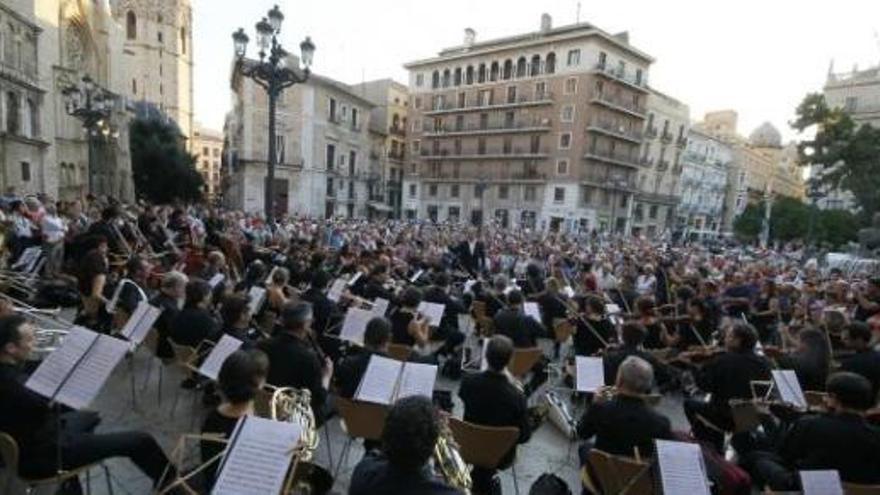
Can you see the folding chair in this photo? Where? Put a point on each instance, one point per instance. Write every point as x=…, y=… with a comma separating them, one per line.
x=485, y=446
x=359, y=420
x=10, y=454
x=618, y=475
x=523, y=360
x=563, y=330
x=399, y=352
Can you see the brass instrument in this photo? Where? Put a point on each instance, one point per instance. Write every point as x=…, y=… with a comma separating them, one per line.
x=111, y=304
x=559, y=415
x=448, y=461
x=295, y=406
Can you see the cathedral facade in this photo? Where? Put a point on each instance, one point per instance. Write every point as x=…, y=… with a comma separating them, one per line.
x=138, y=50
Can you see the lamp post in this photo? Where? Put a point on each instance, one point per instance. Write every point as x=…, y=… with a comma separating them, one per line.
x=272, y=74
x=92, y=105
x=814, y=193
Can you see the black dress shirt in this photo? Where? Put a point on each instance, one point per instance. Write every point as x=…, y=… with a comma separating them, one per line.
x=293, y=362
x=522, y=329
x=193, y=325
x=491, y=400
x=25, y=415
x=865, y=363
x=350, y=371
x=729, y=376
x=622, y=424
x=375, y=475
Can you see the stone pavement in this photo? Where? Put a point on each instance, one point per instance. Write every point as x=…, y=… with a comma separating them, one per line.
x=547, y=451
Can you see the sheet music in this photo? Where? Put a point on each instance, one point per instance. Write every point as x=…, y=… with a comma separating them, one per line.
x=433, y=312
x=377, y=384
x=380, y=306
x=416, y=276
x=89, y=376
x=141, y=321
x=825, y=482
x=417, y=379
x=216, y=279
x=52, y=371
x=355, y=278
x=335, y=292
x=589, y=373
x=256, y=296
x=568, y=291
x=28, y=259
x=484, y=365
x=681, y=468
x=469, y=284
x=789, y=388
x=259, y=459
x=212, y=364
x=612, y=309
x=355, y=324
x=532, y=309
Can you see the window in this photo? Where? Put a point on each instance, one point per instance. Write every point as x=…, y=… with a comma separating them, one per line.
x=621, y=68
x=509, y=119
x=481, y=73
x=568, y=113
x=131, y=25
x=412, y=190
x=447, y=78
x=331, y=114
x=454, y=214
x=354, y=118
x=134, y=86
x=484, y=98
x=459, y=122
x=507, y=145
x=435, y=79
x=558, y=194
x=639, y=77
x=25, y=172
x=587, y=193
x=603, y=59
x=456, y=78
x=565, y=141
x=462, y=99
x=13, y=113
x=535, y=68
x=481, y=146
x=417, y=103
x=454, y=190
x=182, y=40
x=571, y=85
x=530, y=193
x=503, y=191
x=331, y=156
x=507, y=73
x=34, y=116
x=540, y=91
x=432, y=190
x=562, y=167
x=416, y=146
x=652, y=212
x=511, y=94
x=352, y=162
x=574, y=57
x=550, y=63
x=494, y=71
x=469, y=75
x=206, y=151
x=159, y=37
x=521, y=67
x=420, y=80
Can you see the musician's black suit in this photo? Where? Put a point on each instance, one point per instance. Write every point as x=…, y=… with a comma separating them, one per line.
x=472, y=260
x=622, y=424
x=293, y=362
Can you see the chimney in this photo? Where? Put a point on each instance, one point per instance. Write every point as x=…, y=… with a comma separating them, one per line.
x=469, y=36
x=546, y=22
x=623, y=36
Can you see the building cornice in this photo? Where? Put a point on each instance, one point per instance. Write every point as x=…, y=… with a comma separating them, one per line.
x=24, y=20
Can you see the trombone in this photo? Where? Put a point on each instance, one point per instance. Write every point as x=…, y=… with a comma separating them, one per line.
x=47, y=338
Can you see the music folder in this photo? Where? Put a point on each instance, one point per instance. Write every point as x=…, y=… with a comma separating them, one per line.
x=225, y=346
x=74, y=373
x=380, y=306
x=532, y=309
x=416, y=276
x=789, y=388
x=140, y=322
x=589, y=373
x=387, y=380
x=256, y=296
x=433, y=312
x=353, y=280
x=216, y=279
x=355, y=324
x=824, y=482
x=681, y=468
x=257, y=457
x=335, y=292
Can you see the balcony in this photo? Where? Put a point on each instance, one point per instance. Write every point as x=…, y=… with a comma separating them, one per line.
x=666, y=137
x=610, y=129
x=397, y=131
x=521, y=126
x=614, y=182
x=618, y=104
x=493, y=154
x=650, y=132
x=504, y=176
x=397, y=156
x=622, y=77
x=545, y=98
x=613, y=158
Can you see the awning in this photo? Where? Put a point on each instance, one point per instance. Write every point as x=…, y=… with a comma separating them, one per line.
x=379, y=206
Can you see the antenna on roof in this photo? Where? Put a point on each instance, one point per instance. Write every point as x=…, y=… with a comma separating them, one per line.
x=578, y=16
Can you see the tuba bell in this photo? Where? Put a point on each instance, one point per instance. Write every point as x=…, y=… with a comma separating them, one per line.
x=295, y=406
x=448, y=461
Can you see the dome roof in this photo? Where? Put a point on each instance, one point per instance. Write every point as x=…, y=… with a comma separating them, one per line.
x=766, y=136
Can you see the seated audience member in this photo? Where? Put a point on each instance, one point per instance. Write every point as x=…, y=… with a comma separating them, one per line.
x=840, y=439
x=408, y=440
x=491, y=398
x=295, y=360
x=243, y=373
x=31, y=421
x=351, y=370
x=625, y=422
x=864, y=360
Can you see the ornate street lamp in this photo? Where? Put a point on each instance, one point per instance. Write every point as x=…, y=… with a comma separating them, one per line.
x=92, y=105
x=273, y=75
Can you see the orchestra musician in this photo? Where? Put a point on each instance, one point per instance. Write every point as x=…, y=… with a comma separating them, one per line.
x=811, y=360
x=584, y=340
x=840, y=439
x=864, y=360
x=632, y=335
x=325, y=311
x=172, y=292
x=195, y=322
x=295, y=361
x=726, y=376
x=408, y=326
x=471, y=254
x=408, y=439
x=524, y=331
x=30, y=420
x=92, y=275
x=236, y=315
x=491, y=398
x=351, y=369
x=448, y=330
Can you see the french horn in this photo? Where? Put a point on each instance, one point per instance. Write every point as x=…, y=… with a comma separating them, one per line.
x=448, y=461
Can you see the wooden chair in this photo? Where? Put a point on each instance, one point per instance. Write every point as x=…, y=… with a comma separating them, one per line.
x=563, y=330
x=10, y=454
x=613, y=474
x=523, y=360
x=854, y=489
x=400, y=352
x=479, y=309
x=359, y=420
x=484, y=446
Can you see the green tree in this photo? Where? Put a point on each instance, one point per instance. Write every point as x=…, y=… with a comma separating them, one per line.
x=747, y=226
x=837, y=227
x=163, y=170
x=848, y=154
x=789, y=219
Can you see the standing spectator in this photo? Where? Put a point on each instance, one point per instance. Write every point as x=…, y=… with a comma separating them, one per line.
x=54, y=229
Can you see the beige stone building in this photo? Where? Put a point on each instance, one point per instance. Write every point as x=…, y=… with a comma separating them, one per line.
x=47, y=45
x=540, y=130
x=207, y=146
x=664, y=139
x=389, y=121
x=324, y=167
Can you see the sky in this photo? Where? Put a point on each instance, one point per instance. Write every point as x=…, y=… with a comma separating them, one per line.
x=758, y=57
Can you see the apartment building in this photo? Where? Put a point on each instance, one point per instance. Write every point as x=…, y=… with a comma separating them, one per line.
x=207, y=146
x=538, y=130
x=323, y=146
x=705, y=164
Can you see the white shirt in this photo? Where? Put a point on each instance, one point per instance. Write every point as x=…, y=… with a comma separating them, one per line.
x=54, y=228
x=645, y=284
